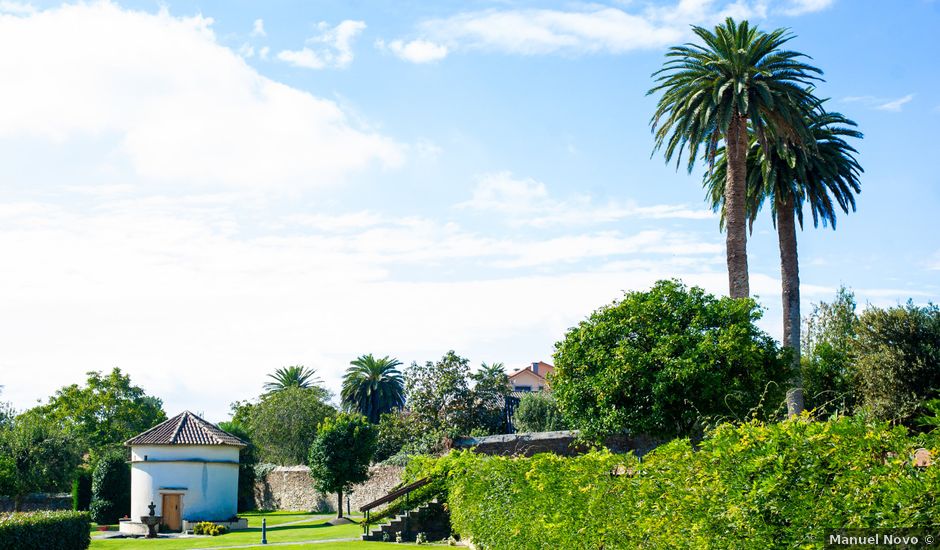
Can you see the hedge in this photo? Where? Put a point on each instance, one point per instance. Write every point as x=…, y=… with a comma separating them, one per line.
x=110, y=489
x=748, y=486
x=45, y=530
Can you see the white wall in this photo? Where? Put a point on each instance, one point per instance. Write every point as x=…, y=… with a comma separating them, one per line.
x=209, y=489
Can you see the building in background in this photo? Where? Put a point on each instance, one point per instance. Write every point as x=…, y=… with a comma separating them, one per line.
x=533, y=377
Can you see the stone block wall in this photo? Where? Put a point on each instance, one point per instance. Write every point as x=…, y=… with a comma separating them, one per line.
x=39, y=501
x=291, y=488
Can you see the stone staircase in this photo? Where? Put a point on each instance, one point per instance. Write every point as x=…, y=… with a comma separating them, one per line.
x=430, y=518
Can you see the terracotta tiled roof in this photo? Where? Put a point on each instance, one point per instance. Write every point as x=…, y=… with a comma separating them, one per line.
x=185, y=429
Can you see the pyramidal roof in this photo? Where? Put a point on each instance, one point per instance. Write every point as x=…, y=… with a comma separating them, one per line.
x=185, y=429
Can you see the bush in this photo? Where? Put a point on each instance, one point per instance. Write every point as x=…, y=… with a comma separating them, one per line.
x=538, y=412
x=110, y=489
x=749, y=486
x=668, y=361
x=45, y=530
x=81, y=490
x=898, y=360
x=209, y=528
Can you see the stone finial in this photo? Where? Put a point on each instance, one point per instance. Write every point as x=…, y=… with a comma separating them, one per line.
x=922, y=458
x=153, y=508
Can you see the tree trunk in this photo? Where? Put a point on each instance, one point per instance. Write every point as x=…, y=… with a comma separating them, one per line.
x=790, y=282
x=17, y=503
x=339, y=504
x=735, y=208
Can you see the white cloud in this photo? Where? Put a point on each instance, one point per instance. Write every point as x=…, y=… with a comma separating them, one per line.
x=170, y=103
x=332, y=48
x=173, y=289
x=526, y=201
x=880, y=103
x=800, y=7
x=16, y=8
x=415, y=51
x=592, y=28
x=257, y=29
x=246, y=50
x=895, y=105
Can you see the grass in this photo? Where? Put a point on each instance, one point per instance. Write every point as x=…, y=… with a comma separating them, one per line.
x=280, y=530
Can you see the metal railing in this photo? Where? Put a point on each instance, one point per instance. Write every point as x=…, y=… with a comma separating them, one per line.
x=394, y=495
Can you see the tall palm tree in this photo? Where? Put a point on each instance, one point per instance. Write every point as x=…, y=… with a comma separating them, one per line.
x=373, y=386
x=823, y=178
x=294, y=376
x=711, y=93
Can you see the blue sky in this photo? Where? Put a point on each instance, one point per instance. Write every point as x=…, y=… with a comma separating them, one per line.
x=201, y=192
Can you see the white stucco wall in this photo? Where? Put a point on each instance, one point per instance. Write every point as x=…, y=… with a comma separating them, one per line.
x=206, y=476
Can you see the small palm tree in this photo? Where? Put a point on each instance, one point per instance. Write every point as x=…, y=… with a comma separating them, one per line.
x=373, y=387
x=740, y=76
x=294, y=376
x=823, y=178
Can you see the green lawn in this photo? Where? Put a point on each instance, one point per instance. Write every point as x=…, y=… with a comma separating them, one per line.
x=313, y=528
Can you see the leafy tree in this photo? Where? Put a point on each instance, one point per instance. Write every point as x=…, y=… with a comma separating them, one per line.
x=395, y=430
x=295, y=376
x=897, y=354
x=490, y=388
x=439, y=395
x=538, y=412
x=247, y=459
x=662, y=362
x=828, y=361
x=35, y=455
x=104, y=413
x=373, y=387
x=284, y=424
x=740, y=76
x=110, y=489
x=822, y=178
x=340, y=454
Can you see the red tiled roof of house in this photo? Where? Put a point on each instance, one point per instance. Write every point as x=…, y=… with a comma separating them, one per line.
x=186, y=429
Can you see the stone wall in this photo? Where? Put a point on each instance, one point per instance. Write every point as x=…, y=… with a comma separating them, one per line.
x=291, y=488
x=39, y=501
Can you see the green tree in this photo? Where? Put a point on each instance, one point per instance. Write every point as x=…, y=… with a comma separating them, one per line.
x=665, y=361
x=247, y=460
x=897, y=353
x=373, y=387
x=110, y=489
x=490, y=388
x=295, y=376
x=538, y=412
x=104, y=413
x=395, y=430
x=340, y=455
x=35, y=455
x=823, y=178
x=827, y=358
x=284, y=424
x=711, y=93
x=438, y=394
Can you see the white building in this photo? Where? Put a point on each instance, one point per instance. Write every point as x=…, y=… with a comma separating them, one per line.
x=188, y=468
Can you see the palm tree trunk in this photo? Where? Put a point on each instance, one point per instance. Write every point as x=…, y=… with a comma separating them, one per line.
x=735, y=205
x=790, y=282
x=339, y=504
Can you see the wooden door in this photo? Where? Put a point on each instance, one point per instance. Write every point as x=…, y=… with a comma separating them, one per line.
x=171, y=512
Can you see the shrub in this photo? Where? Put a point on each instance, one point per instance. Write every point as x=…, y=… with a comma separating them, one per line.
x=538, y=412
x=45, y=530
x=110, y=489
x=898, y=359
x=748, y=486
x=669, y=361
x=209, y=528
x=81, y=490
